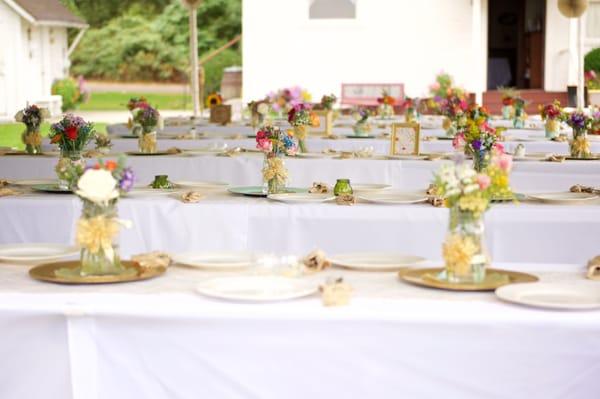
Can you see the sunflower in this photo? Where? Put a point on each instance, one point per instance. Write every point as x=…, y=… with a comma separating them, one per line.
x=213, y=99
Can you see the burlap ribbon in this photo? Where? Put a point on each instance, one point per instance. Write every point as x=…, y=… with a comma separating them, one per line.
x=316, y=261
x=301, y=132
x=578, y=188
x=97, y=233
x=345, y=199
x=275, y=170
x=580, y=147
x=6, y=192
x=555, y=158
x=335, y=292
x=174, y=150
x=319, y=188
x=152, y=260
x=148, y=142
x=32, y=139
x=191, y=197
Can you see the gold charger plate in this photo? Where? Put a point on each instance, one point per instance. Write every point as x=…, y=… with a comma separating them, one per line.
x=592, y=158
x=46, y=272
x=494, y=278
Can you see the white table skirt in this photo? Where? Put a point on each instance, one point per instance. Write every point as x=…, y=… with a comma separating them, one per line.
x=158, y=339
x=246, y=170
x=515, y=233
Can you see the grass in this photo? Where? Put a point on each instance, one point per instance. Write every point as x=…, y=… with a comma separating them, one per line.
x=116, y=101
x=10, y=133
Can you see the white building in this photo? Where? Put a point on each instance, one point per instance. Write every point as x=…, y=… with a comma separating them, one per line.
x=320, y=44
x=33, y=52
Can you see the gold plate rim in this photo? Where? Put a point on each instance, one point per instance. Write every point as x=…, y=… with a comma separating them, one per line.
x=414, y=276
x=45, y=272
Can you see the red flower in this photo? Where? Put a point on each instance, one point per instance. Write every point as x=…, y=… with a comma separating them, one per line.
x=260, y=135
x=71, y=133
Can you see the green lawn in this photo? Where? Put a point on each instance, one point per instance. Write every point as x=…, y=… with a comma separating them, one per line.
x=10, y=133
x=115, y=101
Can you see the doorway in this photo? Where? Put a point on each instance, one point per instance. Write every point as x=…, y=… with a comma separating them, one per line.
x=516, y=31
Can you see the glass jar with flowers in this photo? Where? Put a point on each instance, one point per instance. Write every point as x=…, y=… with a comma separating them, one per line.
x=302, y=118
x=385, y=109
x=454, y=107
x=362, y=127
x=468, y=195
x=258, y=112
x=284, y=99
x=32, y=116
x=275, y=144
x=98, y=228
x=411, y=107
x=508, y=94
x=552, y=114
x=478, y=139
x=328, y=101
x=135, y=103
x=579, y=145
x=71, y=134
x=149, y=120
x=520, y=114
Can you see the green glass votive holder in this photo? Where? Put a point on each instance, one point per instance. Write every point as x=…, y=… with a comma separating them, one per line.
x=342, y=187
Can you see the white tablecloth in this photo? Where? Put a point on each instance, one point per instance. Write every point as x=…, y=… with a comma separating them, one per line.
x=515, y=233
x=246, y=170
x=158, y=339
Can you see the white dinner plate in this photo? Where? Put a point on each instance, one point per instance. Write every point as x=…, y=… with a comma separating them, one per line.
x=256, y=288
x=562, y=198
x=217, y=260
x=148, y=192
x=393, y=197
x=201, y=185
x=375, y=261
x=407, y=157
x=368, y=188
x=301, y=197
x=310, y=155
x=530, y=158
x=28, y=253
x=552, y=295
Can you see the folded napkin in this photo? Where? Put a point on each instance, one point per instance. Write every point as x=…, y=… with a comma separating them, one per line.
x=331, y=137
x=335, y=292
x=329, y=151
x=366, y=152
x=235, y=137
x=345, y=199
x=555, y=158
x=152, y=260
x=174, y=150
x=4, y=183
x=434, y=157
x=593, y=268
x=316, y=261
x=578, y=188
x=5, y=192
x=192, y=197
x=437, y=202
x=430, y=138
x=231, y=152
x=319, y=188
x=431, y=190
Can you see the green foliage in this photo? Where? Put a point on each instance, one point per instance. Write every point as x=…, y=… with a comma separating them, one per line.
x=99, y=12
x=592, y=60
x=68, y=89
x=137, y=47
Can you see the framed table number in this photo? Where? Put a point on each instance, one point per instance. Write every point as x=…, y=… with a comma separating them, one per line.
x=220, y=114
x=405, y=138
x=325, y=123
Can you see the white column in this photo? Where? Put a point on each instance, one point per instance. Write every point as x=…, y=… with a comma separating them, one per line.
x=194, y=61
x=478, y=62
x=580, y=63
x=573, y=63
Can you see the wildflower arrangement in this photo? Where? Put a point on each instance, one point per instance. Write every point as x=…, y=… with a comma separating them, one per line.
x=103, y=142
x=551, y=111
x=122, y=174
x=146, y=116
x=581, y=124
x=328, y=101
x=136, y=102
x=258, y=111
x=71, y=133
x=508, y=95
x=32, y=116
x=362, y=115
x=283, y=99
x=271, y=139
x=301, y=118
x=386, y=105
x=478, y=139
x=386, y=99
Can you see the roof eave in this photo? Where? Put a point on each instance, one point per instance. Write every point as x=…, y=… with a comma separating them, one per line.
x=66, y=24
x=19, y=10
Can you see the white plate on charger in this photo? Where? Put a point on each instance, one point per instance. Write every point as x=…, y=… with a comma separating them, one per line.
x=368, y=188
x=552, y=295
x=149, y=192
x=217, y=260
x=256, y=288
x=375, y=261
x=201, y=185
x=311, y=155
x=301, y=197
x=393, y=197
x=29, y=253
x=563, y=197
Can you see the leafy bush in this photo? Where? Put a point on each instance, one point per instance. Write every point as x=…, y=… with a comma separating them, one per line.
x=137, y=47
x=71, y=92
x=592, y=60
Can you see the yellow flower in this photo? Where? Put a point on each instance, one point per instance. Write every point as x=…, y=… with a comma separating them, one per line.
x=458, y=251
x=213, y=99
x=474, y=203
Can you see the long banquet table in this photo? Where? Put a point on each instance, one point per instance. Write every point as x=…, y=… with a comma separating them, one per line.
x=159, y=339
x=526, y=232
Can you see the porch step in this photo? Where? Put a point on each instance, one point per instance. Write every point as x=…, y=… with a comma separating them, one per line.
x=492, y=100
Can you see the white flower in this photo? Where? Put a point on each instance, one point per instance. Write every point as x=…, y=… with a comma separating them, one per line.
x=263, y=108
x=19, y=116
x=98, y=186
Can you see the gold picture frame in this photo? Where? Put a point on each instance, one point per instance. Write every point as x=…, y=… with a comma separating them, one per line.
x=407, y=136
x=326, y=119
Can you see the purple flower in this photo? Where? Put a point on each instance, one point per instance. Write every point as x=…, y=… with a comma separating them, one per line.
x=577, y=120
x=127, y=180
x=476, y=144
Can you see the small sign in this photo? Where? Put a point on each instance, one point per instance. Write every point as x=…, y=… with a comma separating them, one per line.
x=405, y=139
x=368, y=93
x=325, y=127
x=220, y=114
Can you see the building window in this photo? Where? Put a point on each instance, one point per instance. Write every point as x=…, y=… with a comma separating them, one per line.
x=332, y=9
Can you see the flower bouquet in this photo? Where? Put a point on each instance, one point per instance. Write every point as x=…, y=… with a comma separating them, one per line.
x=284, y=99
x=258, y=112
x=302, y=118
x=71, y=134
x=327, y=102
x=97, y=233
x=135, y=103
x=411, y=109
x=468, y=194
x=454, y=108
x=579, y=145
x=385, y=110
x=479, y=140
x=103, y=143
x=362, y=126
x=275, y=144
x=148, y=119
x=32, y=116
x=520, y=114
x=553, y=115
x=509, y=95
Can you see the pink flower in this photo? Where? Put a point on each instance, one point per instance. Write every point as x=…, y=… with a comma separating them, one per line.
x=484, y=181
x=499, y=148
x=292, y=150
x=264, y=145
x=435, y=86
x=504, y=162
x=458, y=142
